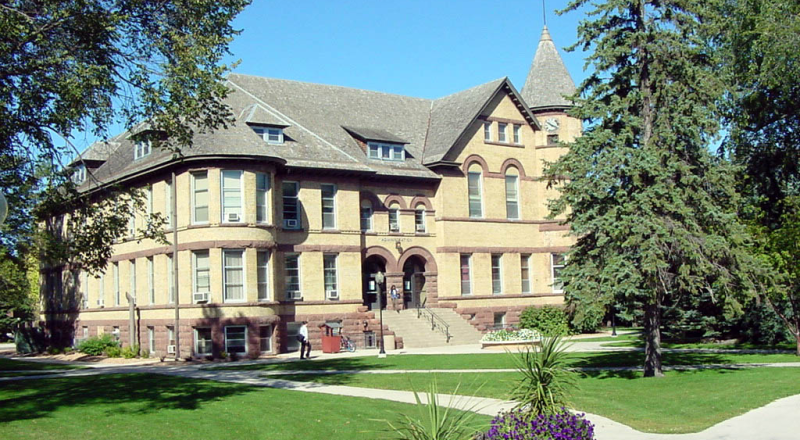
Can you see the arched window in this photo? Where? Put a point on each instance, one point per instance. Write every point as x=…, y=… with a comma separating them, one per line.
x=419, y=218
x=474, y=188
x=512, y=193
x=366, y=216
x=394, y=217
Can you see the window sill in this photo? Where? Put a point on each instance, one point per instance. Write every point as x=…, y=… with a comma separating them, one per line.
x=292, y=229
x=503, y=144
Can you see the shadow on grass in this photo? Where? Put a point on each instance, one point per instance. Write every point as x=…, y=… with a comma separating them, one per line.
x=360, y=363
x=11, y=364
x=636, y=359
x=33, y=399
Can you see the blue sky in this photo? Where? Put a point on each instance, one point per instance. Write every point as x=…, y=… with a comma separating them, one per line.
x=426, y=49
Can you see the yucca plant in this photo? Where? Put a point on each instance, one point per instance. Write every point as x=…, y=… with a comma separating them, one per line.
x=546, y=380
x=435, y=422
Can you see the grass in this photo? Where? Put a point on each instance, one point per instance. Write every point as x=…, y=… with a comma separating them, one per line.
x=10, y=364
x=680, y=402
x=159, y=407
x=27, y=373
x=503, y=360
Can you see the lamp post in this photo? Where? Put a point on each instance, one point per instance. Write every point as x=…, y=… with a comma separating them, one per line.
x=613, y=320
x=379, y=278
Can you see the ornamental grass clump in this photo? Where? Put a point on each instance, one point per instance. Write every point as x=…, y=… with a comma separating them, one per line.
x=545, y=381
x=522, y=425
x=436, y=422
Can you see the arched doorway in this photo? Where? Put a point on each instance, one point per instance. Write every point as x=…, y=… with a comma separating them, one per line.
x=414, y=282
x=372, y=265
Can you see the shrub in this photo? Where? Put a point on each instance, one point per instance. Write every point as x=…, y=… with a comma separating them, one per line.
x=586, y=318
x=223, y=355
x=546, y=381
x=506, y=335
x=114, y=351
x=548, y=320
x=436, y=422
x=130, y=351
x=145, y=353
x=519, y=425
x=97, y=345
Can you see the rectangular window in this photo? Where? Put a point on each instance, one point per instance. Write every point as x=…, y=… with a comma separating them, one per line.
x=233, y=262
x=366, y=218
x=262, y=188
x=329, y=273
x=265, y=339
x=557, y=262
x=170, y=335
x=466, y=284
x=552, y=139
x=524, y=262
x=328, y=206
x=151, y=282
x=170, y=280
x=487, y=131
x=374, y=151
x=512, y=198
x=499, y=320
x=292, y=276
x=419, y=220
x=236, y=339
x=231, y=196
x=262, y=270
x=151, y=339
x=132, y=220
x=398, y=152
x=394, y=220
x=517, y=134
x=116, y=284
x=142, y=148
x=168, y=203
x=291, y=212
x=390, y=152
x=200, y=197
x=272, y=135
x=474, y=189
x=203, y=345
x=501, y=132
x=497, y=276
x=101, y=291
x=201, y=281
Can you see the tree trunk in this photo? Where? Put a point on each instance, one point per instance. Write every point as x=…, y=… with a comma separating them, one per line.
x=797, y=338
x=652, y=347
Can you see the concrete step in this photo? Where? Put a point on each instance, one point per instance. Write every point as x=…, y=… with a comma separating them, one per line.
x=417, y=332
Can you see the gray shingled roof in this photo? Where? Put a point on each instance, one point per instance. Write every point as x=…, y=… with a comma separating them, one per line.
x=258, y=115
x=375, y=134
x=548, y=79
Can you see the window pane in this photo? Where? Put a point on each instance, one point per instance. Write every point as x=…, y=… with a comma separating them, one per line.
x=465, y=281
x=329, y=269
x=517, y=133
x=394, y=223
x=419, y=220
x=290, y=201
x=474, y=189
x=512, y=205
x=233, y=261
x=501, y=132
x=236, y=339
x=366, y=219
x=263, y=275
x=526, y=277
x=328, y=206
x=292, y=275
x=200, y=198
x=487, y=131
x=265, y=338
x=497, y=283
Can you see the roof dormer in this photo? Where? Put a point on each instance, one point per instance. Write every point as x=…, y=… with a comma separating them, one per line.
x=379, y=144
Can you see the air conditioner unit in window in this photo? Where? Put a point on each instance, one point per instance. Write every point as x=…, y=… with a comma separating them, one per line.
x=294, y=294
x=101, y=303
x=290, y=224
x=332, y=294
x=200, y=297
x=394, y=227
x=233, y=217
x=170, y=349
x=420, y=228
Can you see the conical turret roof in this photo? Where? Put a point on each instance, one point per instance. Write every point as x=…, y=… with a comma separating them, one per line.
x=548, y=80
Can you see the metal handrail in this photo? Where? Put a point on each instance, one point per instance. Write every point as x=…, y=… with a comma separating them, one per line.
x=437, y=323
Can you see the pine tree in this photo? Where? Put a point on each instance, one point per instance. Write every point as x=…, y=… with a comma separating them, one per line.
x=652, y=209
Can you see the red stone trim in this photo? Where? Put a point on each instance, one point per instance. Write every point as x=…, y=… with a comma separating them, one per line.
x=503, y=250
x=508, y=121
x=318, y=248
x=421, y=199
x=512, y=296
x=391, y=262
x=377, y=205
x=194, y=246
x=553, y=227
x=301, y=302
x=430, y=261
x=542, y=147
x=496, y=220
x=475, y=158
x=516, y=164
x=504, y=144
x=391, y=198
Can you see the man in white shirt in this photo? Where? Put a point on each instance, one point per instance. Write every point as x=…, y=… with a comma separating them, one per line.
x=302, y=336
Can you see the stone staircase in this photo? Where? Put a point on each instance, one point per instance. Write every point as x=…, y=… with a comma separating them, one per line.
x=417, y=333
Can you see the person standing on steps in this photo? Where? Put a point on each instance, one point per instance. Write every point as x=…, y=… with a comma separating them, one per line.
x=302, y=336
x=395, y=297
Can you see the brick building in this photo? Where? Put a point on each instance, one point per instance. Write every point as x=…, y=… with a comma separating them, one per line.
x=289, y=214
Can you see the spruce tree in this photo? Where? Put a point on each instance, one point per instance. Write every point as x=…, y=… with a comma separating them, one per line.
x=653, y=211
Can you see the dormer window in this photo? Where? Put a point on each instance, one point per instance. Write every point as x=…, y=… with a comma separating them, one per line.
x=390, y=152
x=272, y=135
x=142, y=148
x=79, y=174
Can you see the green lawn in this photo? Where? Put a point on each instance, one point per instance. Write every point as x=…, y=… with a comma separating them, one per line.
x=504, y=360
x=10, y=364
x=635, y=340
x=680, y=402
x=160, y=407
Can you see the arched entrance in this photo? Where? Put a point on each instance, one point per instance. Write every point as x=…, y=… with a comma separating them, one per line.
x=414, y=282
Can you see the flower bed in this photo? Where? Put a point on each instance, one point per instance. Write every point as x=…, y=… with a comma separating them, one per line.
x=563, y=425
x=510, y=338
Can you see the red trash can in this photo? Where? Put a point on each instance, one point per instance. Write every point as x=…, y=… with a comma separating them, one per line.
x=331, y=339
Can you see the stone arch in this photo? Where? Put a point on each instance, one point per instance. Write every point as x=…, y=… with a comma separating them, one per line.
x=391, y=198
x=377, y=205
x=430, y=262
x=511, y=162
x=475, y=158
x=391, y=261
x=421, y=200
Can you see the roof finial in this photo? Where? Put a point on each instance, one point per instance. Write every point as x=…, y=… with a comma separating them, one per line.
x=544, y=13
